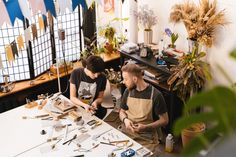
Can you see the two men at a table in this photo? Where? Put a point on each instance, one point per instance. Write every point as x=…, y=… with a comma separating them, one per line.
x=143, y=108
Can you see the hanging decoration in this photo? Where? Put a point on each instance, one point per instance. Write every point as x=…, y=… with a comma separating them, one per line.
x=63, y=4
x=89, y=3
x=14, y=49
x=37, y=5
x=109, y=6
x=49, y=4
x=34, y=31
x=1, y=65
x=4, y=17
x=14, y=10
x=75, y=3
x=9, y=54
x=41, y=23
x=45, y=21
x=20, y=42
x=25, y=9
x=27, y=35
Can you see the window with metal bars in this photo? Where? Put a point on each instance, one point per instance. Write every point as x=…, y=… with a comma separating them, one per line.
x=37, y=58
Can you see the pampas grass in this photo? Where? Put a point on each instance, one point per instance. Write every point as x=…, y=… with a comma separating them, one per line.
x=200, y=21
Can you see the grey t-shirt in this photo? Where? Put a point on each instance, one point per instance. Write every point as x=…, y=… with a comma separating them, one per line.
x=159, y=104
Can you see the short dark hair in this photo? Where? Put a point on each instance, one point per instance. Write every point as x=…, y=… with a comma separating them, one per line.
x=132, y=69
x=95, y=64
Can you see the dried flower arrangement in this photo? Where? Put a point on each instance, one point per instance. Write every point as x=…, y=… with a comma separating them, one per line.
x=200, y=21
x=146, y=17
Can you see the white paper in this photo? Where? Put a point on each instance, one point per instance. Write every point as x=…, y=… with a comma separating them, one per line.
x=1, y=66
x=25, y=9
x=28, y=35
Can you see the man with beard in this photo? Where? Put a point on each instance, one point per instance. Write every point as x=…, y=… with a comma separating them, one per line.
x=143, y=108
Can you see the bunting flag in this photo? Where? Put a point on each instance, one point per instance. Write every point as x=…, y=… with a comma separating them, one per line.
x=41, y=23
x=34, y=31
x=45, y=21
x=25, y=9
x=20, y=42
x=1, y=65
x=75, y=3
x=27, y=35
x=14, y=49
x=109, y=5
x=49, y=5
x=14, y=10
x=37, y=5
x=4, y=14
x=9, y=54
x=63, y=4
x=89, y=3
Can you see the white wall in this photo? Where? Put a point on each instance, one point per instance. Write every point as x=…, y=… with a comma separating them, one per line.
x=226, y=36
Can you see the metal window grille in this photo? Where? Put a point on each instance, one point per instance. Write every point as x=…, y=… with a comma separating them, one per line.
x=37, y=58
x=71, y=46
x=19, y=69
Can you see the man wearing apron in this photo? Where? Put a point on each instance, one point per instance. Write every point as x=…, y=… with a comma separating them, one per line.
x=143, y=108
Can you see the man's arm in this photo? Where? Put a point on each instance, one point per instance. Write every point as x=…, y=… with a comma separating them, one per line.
x=162, y=121
x=98, y=101
x=75, y=100
x=124, y=118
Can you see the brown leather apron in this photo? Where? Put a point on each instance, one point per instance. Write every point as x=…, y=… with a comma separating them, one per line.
x=140, y=111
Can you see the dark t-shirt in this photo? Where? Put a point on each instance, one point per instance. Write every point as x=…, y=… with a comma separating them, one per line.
x=85, y=86
x=159, y=104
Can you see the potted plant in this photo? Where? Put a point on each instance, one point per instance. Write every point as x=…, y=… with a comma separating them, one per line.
x=201, y=23
x=173, y=38
x=189, y=77
x=221, y=115
x=147, y=19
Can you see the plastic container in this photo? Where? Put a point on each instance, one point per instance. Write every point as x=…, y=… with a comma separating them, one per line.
x=169, y=143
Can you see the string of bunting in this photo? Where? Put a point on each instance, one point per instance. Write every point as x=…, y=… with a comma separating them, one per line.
x=21, y=9
x=25, y=9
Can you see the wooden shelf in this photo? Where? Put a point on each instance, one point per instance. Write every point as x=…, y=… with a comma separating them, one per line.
x=19, y=86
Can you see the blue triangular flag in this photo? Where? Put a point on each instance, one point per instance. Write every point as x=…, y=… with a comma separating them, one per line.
x=49, y=4
x=75, y=3
x=13, y=9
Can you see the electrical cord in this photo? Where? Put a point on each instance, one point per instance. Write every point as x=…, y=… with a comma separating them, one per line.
x=66, y=71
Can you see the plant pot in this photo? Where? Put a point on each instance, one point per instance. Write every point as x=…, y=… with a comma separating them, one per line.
x=189, y=133
x=172, y=46
x=148, y=36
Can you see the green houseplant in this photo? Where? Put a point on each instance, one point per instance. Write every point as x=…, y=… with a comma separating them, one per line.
x=220, y=114
x=188, y=78
x=112, y=40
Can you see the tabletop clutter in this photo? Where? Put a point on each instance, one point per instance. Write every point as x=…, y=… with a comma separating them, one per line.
x=71, y=125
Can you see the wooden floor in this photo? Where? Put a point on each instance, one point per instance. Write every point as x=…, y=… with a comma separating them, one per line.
x=113, y=120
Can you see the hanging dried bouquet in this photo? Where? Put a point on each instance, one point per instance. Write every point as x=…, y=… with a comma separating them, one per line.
x=200, y=21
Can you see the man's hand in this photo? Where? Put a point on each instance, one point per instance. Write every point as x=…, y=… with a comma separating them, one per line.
x=129, y=125
x=89, y=108
x=139, y=127
x=94, y=105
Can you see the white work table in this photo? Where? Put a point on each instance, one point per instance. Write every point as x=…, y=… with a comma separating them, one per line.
x=21, y=137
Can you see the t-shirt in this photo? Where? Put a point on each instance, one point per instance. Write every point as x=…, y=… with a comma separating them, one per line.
x=86, y=87
x=159, y=104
